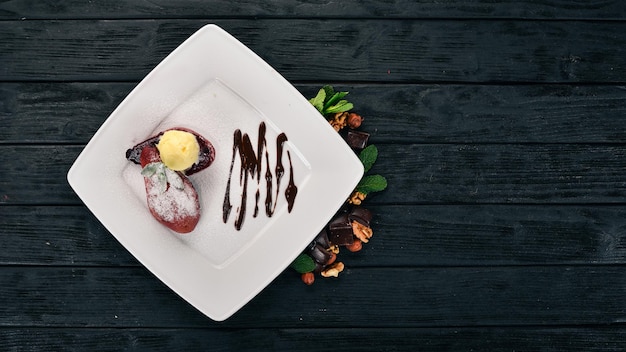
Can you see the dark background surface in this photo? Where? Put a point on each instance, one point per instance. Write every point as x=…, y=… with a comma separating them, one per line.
x=501, y=131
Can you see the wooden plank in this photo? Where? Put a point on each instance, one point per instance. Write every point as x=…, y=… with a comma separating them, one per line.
x=574, y=339
x=541, y=174
x=57, y=235
x=56, y=113
x=332, y=50
x=26, y=9
x=416, y=173
x=404, y=236
x=72, y=112
x=493, y=235
x=372, y=297
x=37, y=174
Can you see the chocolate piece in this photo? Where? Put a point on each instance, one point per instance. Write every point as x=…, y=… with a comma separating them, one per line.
x=322, y=239
x=360, y=215
x=320, y=254
x=357, y=139
x=319, y=267
x=310, y=246
x=340, y=231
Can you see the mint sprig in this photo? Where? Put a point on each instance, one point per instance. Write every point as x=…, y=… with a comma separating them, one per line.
x=163, y=175
x=327, y=101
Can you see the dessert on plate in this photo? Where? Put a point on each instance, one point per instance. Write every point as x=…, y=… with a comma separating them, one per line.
x=167, y=159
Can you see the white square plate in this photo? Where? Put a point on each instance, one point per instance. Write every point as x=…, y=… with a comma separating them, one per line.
x=214, y=85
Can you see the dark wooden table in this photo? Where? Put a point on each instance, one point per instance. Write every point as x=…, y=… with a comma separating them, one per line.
x=501, y=127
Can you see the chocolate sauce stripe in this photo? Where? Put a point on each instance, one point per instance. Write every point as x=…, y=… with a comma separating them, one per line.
x=251, y=166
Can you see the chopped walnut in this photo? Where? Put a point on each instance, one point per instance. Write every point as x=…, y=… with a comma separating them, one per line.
x=357, y=198
x=333, y=270
x=339, y=121
x=362, y=232
x=334, y=249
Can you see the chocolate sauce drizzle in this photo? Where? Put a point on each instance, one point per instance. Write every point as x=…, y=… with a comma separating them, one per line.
x=251, y=167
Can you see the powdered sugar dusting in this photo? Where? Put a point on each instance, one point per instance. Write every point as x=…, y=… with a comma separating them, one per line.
x=173, y=204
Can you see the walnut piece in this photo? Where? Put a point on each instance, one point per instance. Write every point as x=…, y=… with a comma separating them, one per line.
x=333, y=270
x=339, y=121
x=356, y=198
x=362, y=232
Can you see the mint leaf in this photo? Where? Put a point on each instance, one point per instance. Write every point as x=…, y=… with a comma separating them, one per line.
x=303, y=264
x=330, y=91
x=371, y=183
x=150, y=169
x=318, y=101
x=368, y=157
x=341, y=106
x=156, y=172
x=163, y=175
x=161, y=180
x=327, y=101
x=334, y=99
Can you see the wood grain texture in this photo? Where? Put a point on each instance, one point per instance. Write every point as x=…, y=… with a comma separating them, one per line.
x=37, y=174
x=529, y=9
x=416, y=173
x=404, y=236
x=56, y=113
x=361, y=50
x=404, y=297
x=57, y=235
x=574, y=339
x=501, y=132
x=60, y=113
x=493, y=235
x=502, y=174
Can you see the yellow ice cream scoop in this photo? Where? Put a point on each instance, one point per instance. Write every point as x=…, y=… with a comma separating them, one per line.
x=178, y=149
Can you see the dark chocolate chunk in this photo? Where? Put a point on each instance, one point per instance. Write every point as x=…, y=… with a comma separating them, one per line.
x=357, y=139
x=320, y=254
x=322, y=239
x=360, y=215
x=340, y=230
x=319, y=267
x=310, y=246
